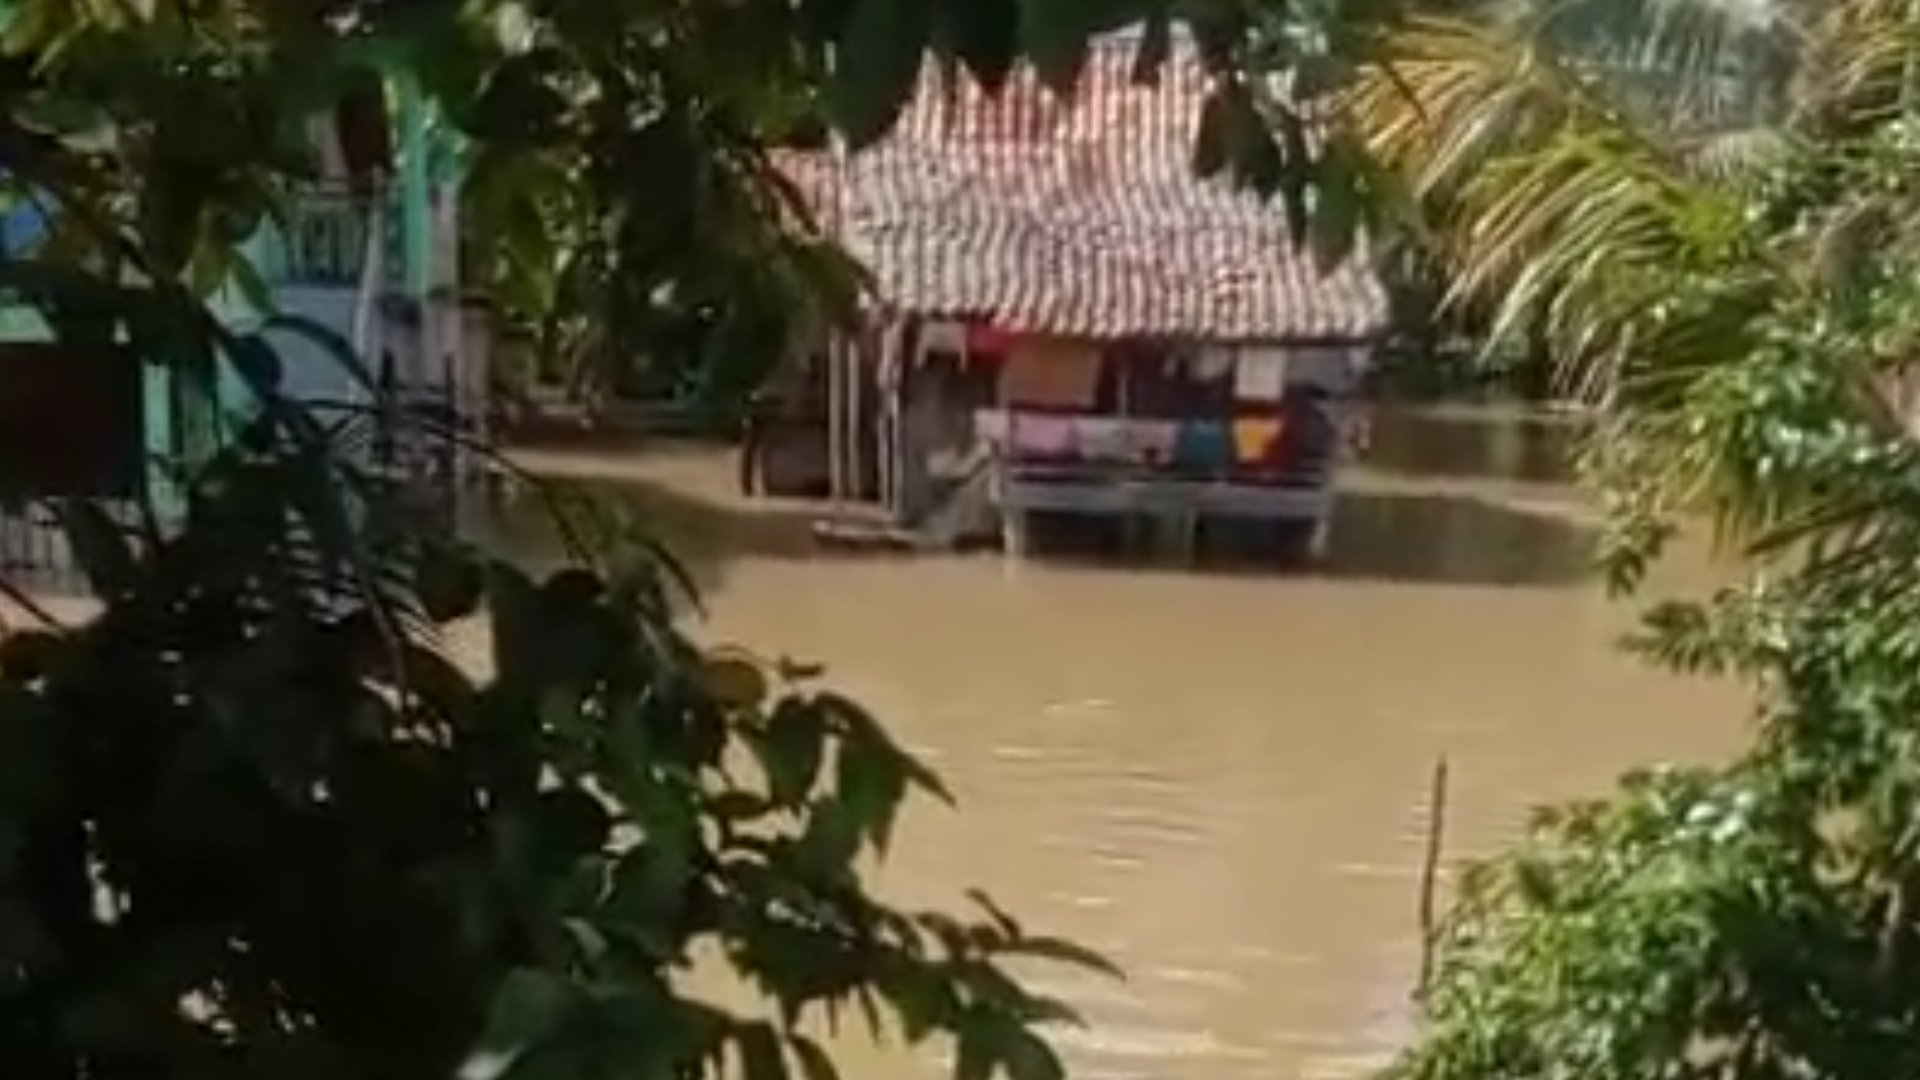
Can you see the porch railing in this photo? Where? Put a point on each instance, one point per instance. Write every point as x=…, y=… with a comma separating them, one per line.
x=324, y=240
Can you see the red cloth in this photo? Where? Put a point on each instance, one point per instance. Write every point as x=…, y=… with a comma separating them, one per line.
x=988, y=341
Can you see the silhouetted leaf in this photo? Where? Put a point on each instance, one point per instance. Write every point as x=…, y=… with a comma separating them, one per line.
x=791, y=749
x=877, y=65
x=832, y=839
x=449, y=583
x=734, y=682
x=1054, y=34
x=527, y=1008
x=871, y=782
x=1066, y=952
x=1210, y=147
x=760, y=1056
x=101, y=547
x=983, y=35
x=1156, y=46
x=332, y=344
x=1028, y=1058
x=814, y=1062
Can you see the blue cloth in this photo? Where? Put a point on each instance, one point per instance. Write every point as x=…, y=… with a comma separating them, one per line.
x=1203, y=444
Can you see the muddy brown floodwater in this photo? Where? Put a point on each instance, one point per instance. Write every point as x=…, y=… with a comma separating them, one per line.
x=1220, y=781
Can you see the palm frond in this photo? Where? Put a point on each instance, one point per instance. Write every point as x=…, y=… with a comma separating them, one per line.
x=1691, y=64
x=1735, y=157
x=1860, y=65
x=1552, y=207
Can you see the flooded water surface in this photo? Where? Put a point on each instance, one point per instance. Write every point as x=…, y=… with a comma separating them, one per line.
x=1221, y=781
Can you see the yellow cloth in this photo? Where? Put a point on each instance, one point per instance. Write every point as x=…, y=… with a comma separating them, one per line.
x=1253, y=439
x=1051, y=373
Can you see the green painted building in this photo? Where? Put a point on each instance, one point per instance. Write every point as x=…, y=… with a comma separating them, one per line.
x=375, y=263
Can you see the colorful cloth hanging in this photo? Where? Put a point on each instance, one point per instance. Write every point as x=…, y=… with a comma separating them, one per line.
x=1102, y=438
x=1255, y=440
x=1040, y=436
x=986, y=340
x=1203, y=444
x=1154, y=441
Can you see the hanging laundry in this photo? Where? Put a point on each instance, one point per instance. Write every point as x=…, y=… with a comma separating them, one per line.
x=941, y=336
x=1255, y=439
x=1040, y=436
x=1051, y=373
x=1102, y=438
x=985, y=340
x=1203, y=445
x=990, y=425
x=1154, y=441
x=1311, y=435
x=1260, y=374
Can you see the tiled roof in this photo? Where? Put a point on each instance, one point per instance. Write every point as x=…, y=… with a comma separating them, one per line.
x=1080, y=217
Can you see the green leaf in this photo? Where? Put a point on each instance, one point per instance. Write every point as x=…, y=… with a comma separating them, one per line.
x=831, y=841
x=734, y=682
x=650, y=886
x=1027, y=1057
x=571, y=823
x=760, y=1056
x=1009, y=927
x=871, y=782
x=791, y=750
x=514, y=602
x=332, y=344
x=877, y=66
x=814, y=1062
x=860, y=727
x=1063, y=951
x=1210, y=153
x=1054, y=34
x=28, y=655
x=449, y=583
x=1334, y=224
x=983, y=34
x=1156, y=46
x=526, y=1009
x=976, y=1047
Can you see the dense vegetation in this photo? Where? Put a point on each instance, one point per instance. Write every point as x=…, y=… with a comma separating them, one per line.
x=254, y=822
x=1707, y=211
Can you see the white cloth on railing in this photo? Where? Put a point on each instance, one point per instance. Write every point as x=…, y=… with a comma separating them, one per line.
x=1103, y=438
x=1042, y=436
x=941, y=336
x=1260, y=374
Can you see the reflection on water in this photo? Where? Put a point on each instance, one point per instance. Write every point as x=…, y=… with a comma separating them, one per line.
x=1473, y=443
x=1219, y=780
x=1457, y=538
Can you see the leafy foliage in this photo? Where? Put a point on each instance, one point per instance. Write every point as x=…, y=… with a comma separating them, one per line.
x=256, y=825
x=255, y=821
x=1749, y=344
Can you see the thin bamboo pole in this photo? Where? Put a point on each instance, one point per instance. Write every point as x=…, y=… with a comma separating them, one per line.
x=1430, y=870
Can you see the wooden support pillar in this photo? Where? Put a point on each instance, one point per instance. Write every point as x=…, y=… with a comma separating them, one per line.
x=836, y=423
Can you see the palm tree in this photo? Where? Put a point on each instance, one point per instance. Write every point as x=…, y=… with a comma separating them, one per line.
x=1636, y=182
x=1721, y=242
